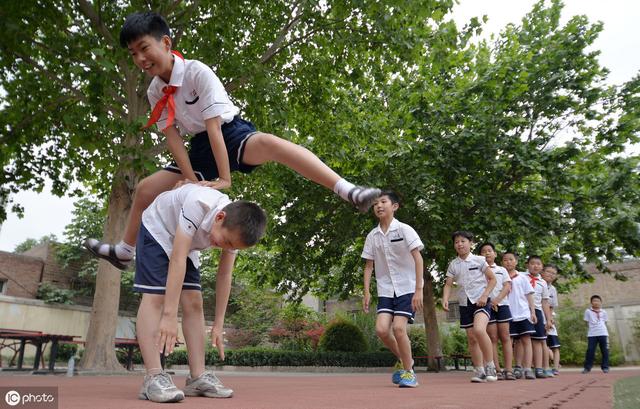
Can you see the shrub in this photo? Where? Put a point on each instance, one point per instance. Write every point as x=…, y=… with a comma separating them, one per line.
x=418, y=339
x=343, y=336
x=367, y=324
x=299, y=328
x=51, y=294
x=454, y=341
x=66, y=351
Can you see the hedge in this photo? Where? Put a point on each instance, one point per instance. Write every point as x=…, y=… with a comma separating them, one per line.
x=273, y=357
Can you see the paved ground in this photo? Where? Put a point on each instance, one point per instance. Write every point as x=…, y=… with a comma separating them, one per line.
x=261, y=390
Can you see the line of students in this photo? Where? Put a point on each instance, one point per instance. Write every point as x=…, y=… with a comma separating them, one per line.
x=501, y=304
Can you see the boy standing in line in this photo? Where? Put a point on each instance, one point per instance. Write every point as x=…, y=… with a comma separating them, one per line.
x=549, y=275
x=476, y=281
x=598, y=334
x=522, y=306
x=543, y=313
x=393, y=249
x=188, y=98
x=174, y=228
x=498, y=328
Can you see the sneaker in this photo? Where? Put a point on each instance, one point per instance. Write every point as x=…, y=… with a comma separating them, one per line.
x=529, y=374
x=548, y=373
x=408, y=380
x=555, y=372
x=207, y=385
x=160, y=388
x=363, y=197
x=605, y=370
x=397, y=372
x=585, y=371
x=479, y=376
x=540, y=373
x=517, y=372
x=490, y=372
x=509, y=376
x=94, y=245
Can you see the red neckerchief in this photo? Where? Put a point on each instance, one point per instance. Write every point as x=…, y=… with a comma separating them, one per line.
x=166, y=100
x=597, y=313
x=533, y=280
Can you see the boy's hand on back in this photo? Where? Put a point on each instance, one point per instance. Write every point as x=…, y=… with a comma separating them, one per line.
x=167, y=334
x=182, y=183
x=416, y=301
x=217, y=184
x=217, y=340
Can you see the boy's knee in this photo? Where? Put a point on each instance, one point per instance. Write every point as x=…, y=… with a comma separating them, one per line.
x=399, y=330
x=144, y=190
x=191, y=303
x=383, y=332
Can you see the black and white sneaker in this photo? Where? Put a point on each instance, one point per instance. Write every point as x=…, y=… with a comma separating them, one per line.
x=362, y=197
x=479, y=376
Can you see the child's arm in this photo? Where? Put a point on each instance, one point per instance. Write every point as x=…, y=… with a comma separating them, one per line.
x=219, y=149
x=223, y=289
x=168, y=330
x=368, y=269
x=446, y=292
x=491, y=283
x=532, y=308
x=547, y=313
x=416, y=302
x=179, y=153
x=506, y=287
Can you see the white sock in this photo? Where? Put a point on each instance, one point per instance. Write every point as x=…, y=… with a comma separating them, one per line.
x=490, y=364
x=123, y=250
x=480, y=369
x=342, y=188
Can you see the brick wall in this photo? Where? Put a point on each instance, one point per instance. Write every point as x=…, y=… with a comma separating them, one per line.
x=53, y=273
x=22, y=274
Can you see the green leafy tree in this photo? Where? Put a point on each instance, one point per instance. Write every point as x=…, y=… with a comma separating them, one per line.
x=75, y=103
x=30, y=243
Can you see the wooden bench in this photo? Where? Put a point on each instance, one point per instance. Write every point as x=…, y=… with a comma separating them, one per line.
x=17, y=340
x=425, y=358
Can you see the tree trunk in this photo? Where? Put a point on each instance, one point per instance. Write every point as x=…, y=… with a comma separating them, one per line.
x=434, y=347
x=99, y=353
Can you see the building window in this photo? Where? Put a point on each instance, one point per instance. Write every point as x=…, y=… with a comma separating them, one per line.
x=3, y=286
x=454, y=312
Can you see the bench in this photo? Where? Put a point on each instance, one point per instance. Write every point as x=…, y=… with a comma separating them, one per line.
x=456, y=358
x=425, y=358
x=17, y=340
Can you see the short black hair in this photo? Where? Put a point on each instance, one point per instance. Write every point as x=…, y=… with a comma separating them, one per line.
x=513, y=253
x=393, y=196
x=553, y=266
x=247, y=218
x=534, y=257
x=486, y=243
x=462, y=233
x=594, y=296
x=140, y=24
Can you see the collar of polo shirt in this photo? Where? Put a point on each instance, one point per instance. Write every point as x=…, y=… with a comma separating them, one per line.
x=392, y=226
x=177, y=73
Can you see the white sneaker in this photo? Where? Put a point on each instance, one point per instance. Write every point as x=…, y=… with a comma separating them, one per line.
x=207, y=385
x=160, y=388
x=363, y=197
x=490, y=371
x=479, y=376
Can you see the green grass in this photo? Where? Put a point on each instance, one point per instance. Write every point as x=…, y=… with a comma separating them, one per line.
x=626, y=393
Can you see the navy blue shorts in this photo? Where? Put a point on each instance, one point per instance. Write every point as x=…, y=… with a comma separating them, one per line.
x=502, y=315
x=152, y=267
x=541, y=332
x=397, y=306
x=235, y=133
x=520, y=328
x=468, y=312
x=553, y=341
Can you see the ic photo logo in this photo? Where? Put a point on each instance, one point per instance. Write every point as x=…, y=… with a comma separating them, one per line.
x=28, y=397
x=12, y=398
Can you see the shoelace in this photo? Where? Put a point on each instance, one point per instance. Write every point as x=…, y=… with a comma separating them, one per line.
x=406, y=375
x=164, y=380
x=214, y=379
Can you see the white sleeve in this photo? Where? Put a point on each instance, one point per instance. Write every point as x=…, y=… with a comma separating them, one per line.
x=451, y=271
x=196, y=203
x=545, y=291
x=412, y=238
x=213, y=100
x=528, y=288
x=368, y=250
x=586, y=315
x=505, y=276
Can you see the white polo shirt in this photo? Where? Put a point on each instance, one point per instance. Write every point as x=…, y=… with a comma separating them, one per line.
x=553, y=296
x=200, y=96
x=502, y=277
x=597, y=321
x=191, y=208
x=541, y=289
x=469, y=274
x=518, y=304
x=391, y=254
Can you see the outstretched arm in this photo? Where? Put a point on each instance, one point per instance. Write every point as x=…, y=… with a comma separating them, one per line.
x=416, y=301
x=223, y=289
x=368, y=269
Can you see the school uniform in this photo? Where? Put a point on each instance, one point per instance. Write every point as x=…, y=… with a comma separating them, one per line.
x=541, y=292
x=469, y=274
x=394, y=267
x=519, y=307
x=503, y=314
x=199, y=95
x=597, y=335
x=190, y=208
x=553, y=340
